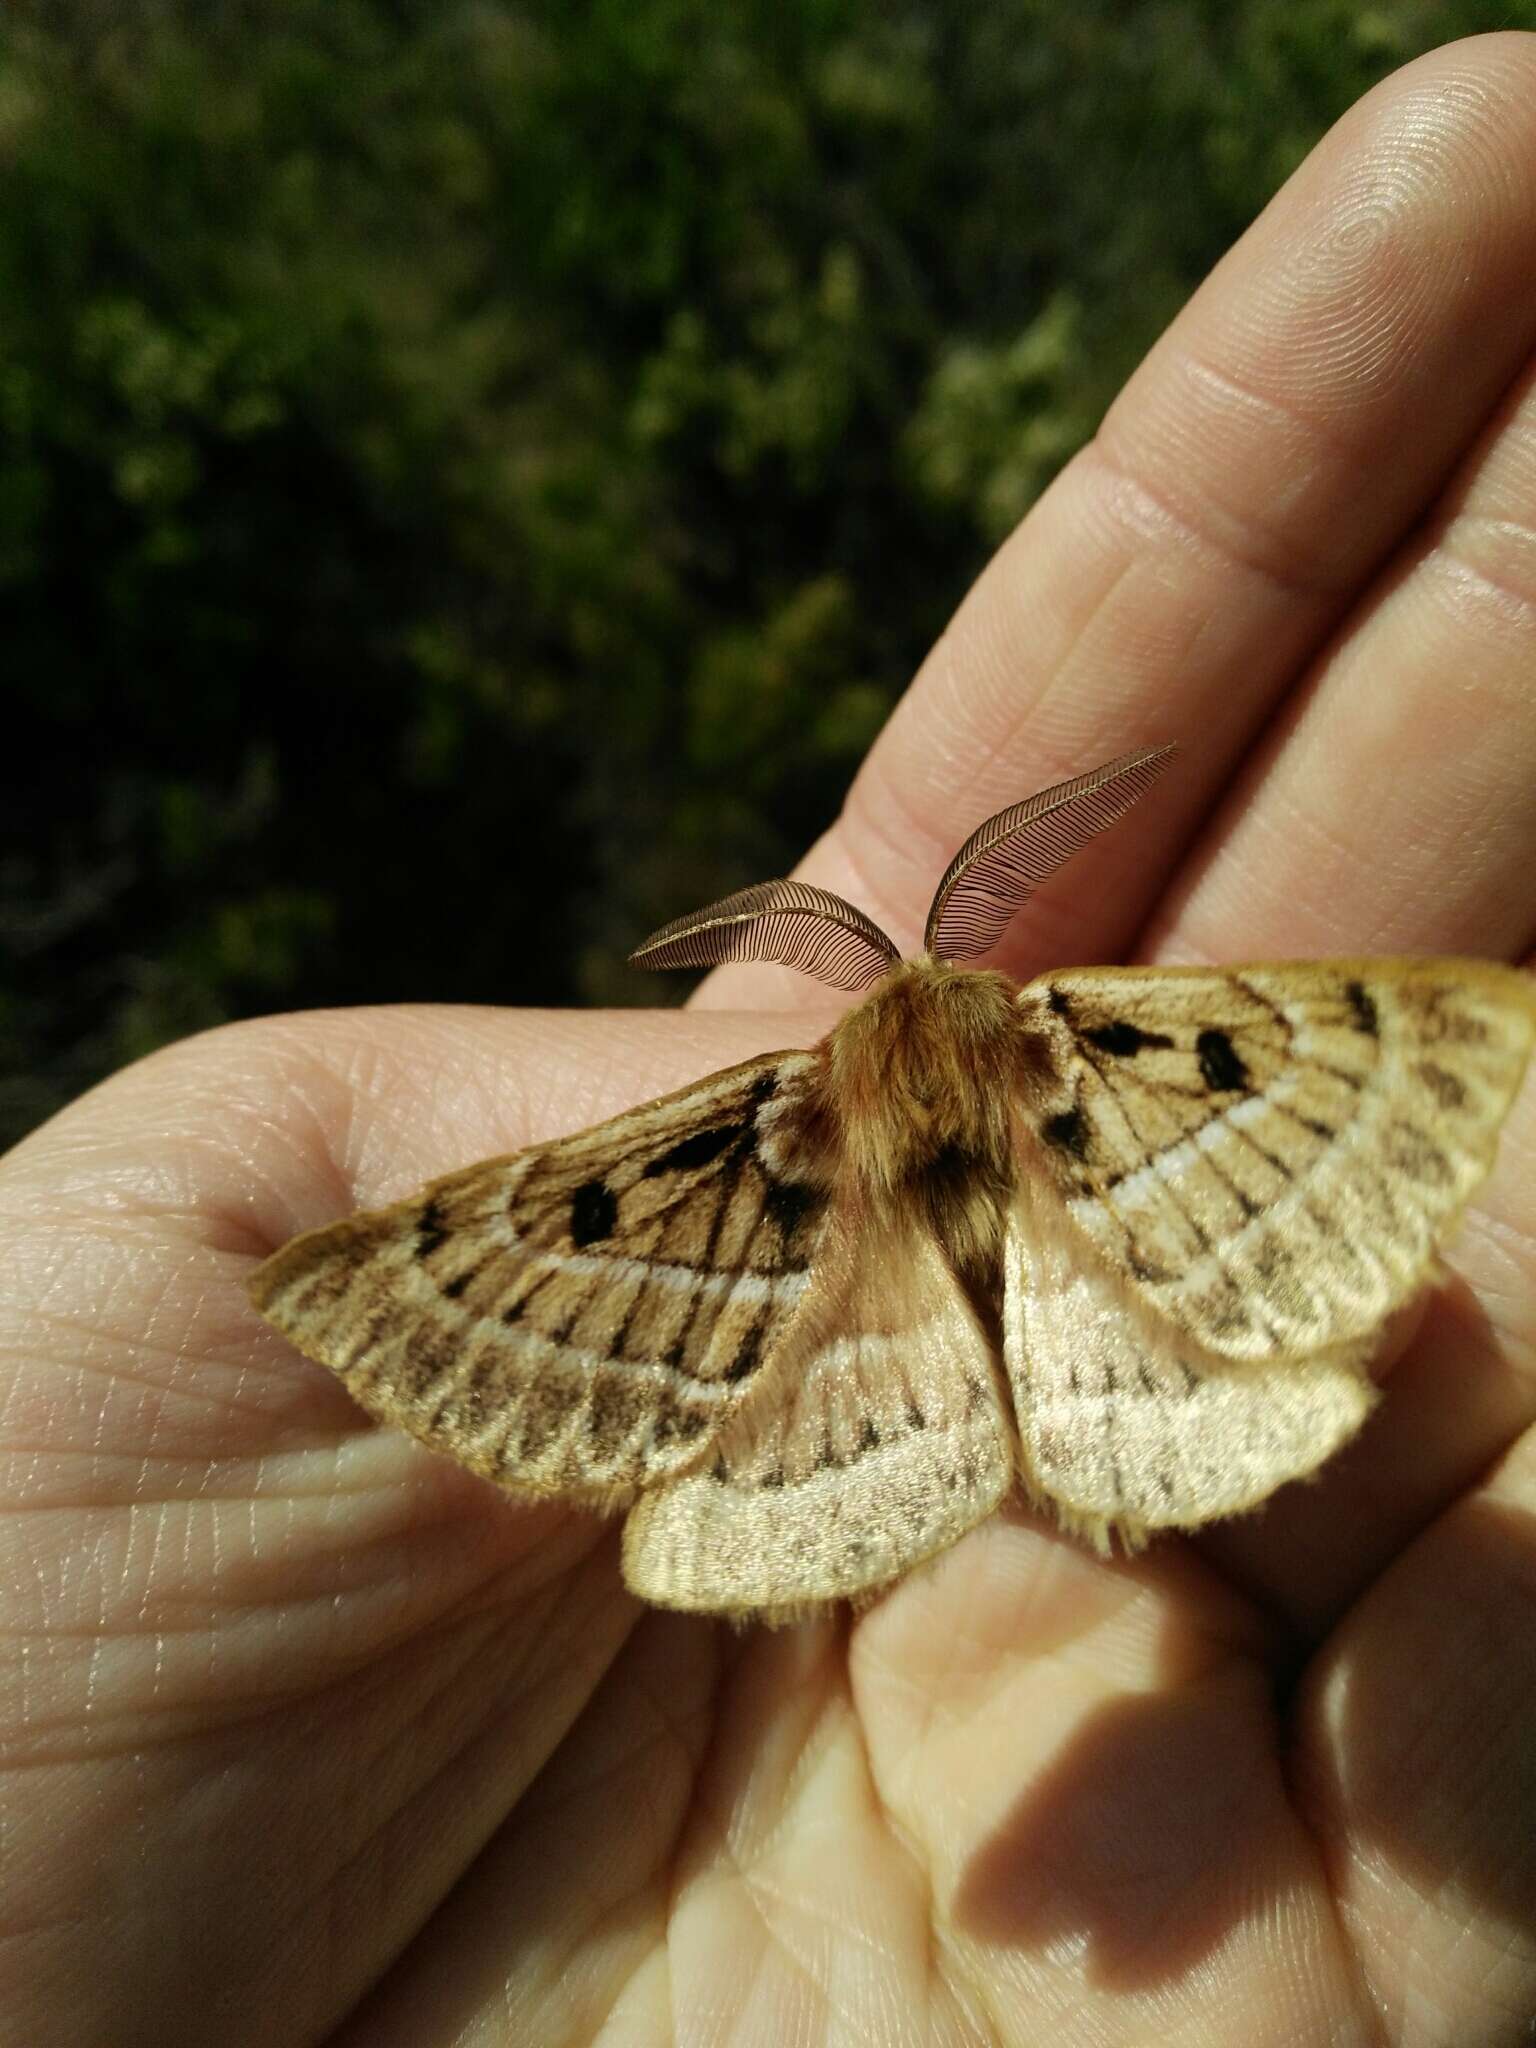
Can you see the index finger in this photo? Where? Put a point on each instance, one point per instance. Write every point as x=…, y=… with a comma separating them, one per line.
x=1271, y=450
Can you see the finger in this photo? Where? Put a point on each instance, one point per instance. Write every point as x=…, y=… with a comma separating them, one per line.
x=1274, y=447
x=1391, y=809
x=1418, y=1764
x=323, y=1649
x=380, y=1100
x=562, y=1925
x=144, y=1386
x=167, y=1181
x=140, y=1382
x=1082, y=1757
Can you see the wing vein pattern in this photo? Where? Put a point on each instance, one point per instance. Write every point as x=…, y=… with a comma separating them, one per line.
x=582, y=1317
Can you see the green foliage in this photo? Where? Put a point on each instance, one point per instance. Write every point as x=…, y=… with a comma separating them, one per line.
x=476, y=475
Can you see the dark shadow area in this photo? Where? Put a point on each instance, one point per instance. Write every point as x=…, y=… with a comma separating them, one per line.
x=1436, y=1749
x=1167, y=1821
x=1159, y=1829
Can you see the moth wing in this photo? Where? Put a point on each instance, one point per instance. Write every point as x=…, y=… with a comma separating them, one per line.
x=876, y=1438
x=1127, y=1423
x=1270, y=1156
x=580, y=1318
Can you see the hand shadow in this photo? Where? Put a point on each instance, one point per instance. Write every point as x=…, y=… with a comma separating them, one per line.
x=1161, y=1825
x=1173, y=1816
x=1432, y=1691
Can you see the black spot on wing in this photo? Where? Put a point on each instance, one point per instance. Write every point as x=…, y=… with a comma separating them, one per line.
x=1124, y=1040
x=1220, y=1066
x=594, y=1212
x=431, y=1230
x=791, y=1205
x=701, y=1148
x=1068, y=1131
x=1362, y=1009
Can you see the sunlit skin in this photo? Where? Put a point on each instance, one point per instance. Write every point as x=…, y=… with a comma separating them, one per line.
x=312, y=1737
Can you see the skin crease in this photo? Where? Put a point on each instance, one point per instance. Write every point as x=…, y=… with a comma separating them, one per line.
x=310, y=1737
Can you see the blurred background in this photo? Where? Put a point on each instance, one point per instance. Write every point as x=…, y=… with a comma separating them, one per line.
x=477, y=474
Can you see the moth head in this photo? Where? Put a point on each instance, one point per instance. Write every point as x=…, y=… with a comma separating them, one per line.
x=795, y=924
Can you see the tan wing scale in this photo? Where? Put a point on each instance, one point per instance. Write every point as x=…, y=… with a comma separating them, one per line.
x=1126, y=1422
x=875, y=1439
x=1270, y=1156
x=580, y=1318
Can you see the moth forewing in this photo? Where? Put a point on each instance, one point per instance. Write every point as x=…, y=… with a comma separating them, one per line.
x=582, y=1318
x=1271, y=1156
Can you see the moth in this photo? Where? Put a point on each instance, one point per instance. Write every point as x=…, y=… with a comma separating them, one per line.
x=1121, y=1238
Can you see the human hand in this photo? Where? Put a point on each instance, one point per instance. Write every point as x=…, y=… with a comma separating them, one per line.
x=312, y=1736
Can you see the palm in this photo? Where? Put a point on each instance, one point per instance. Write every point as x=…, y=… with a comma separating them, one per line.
x=316, y=1738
